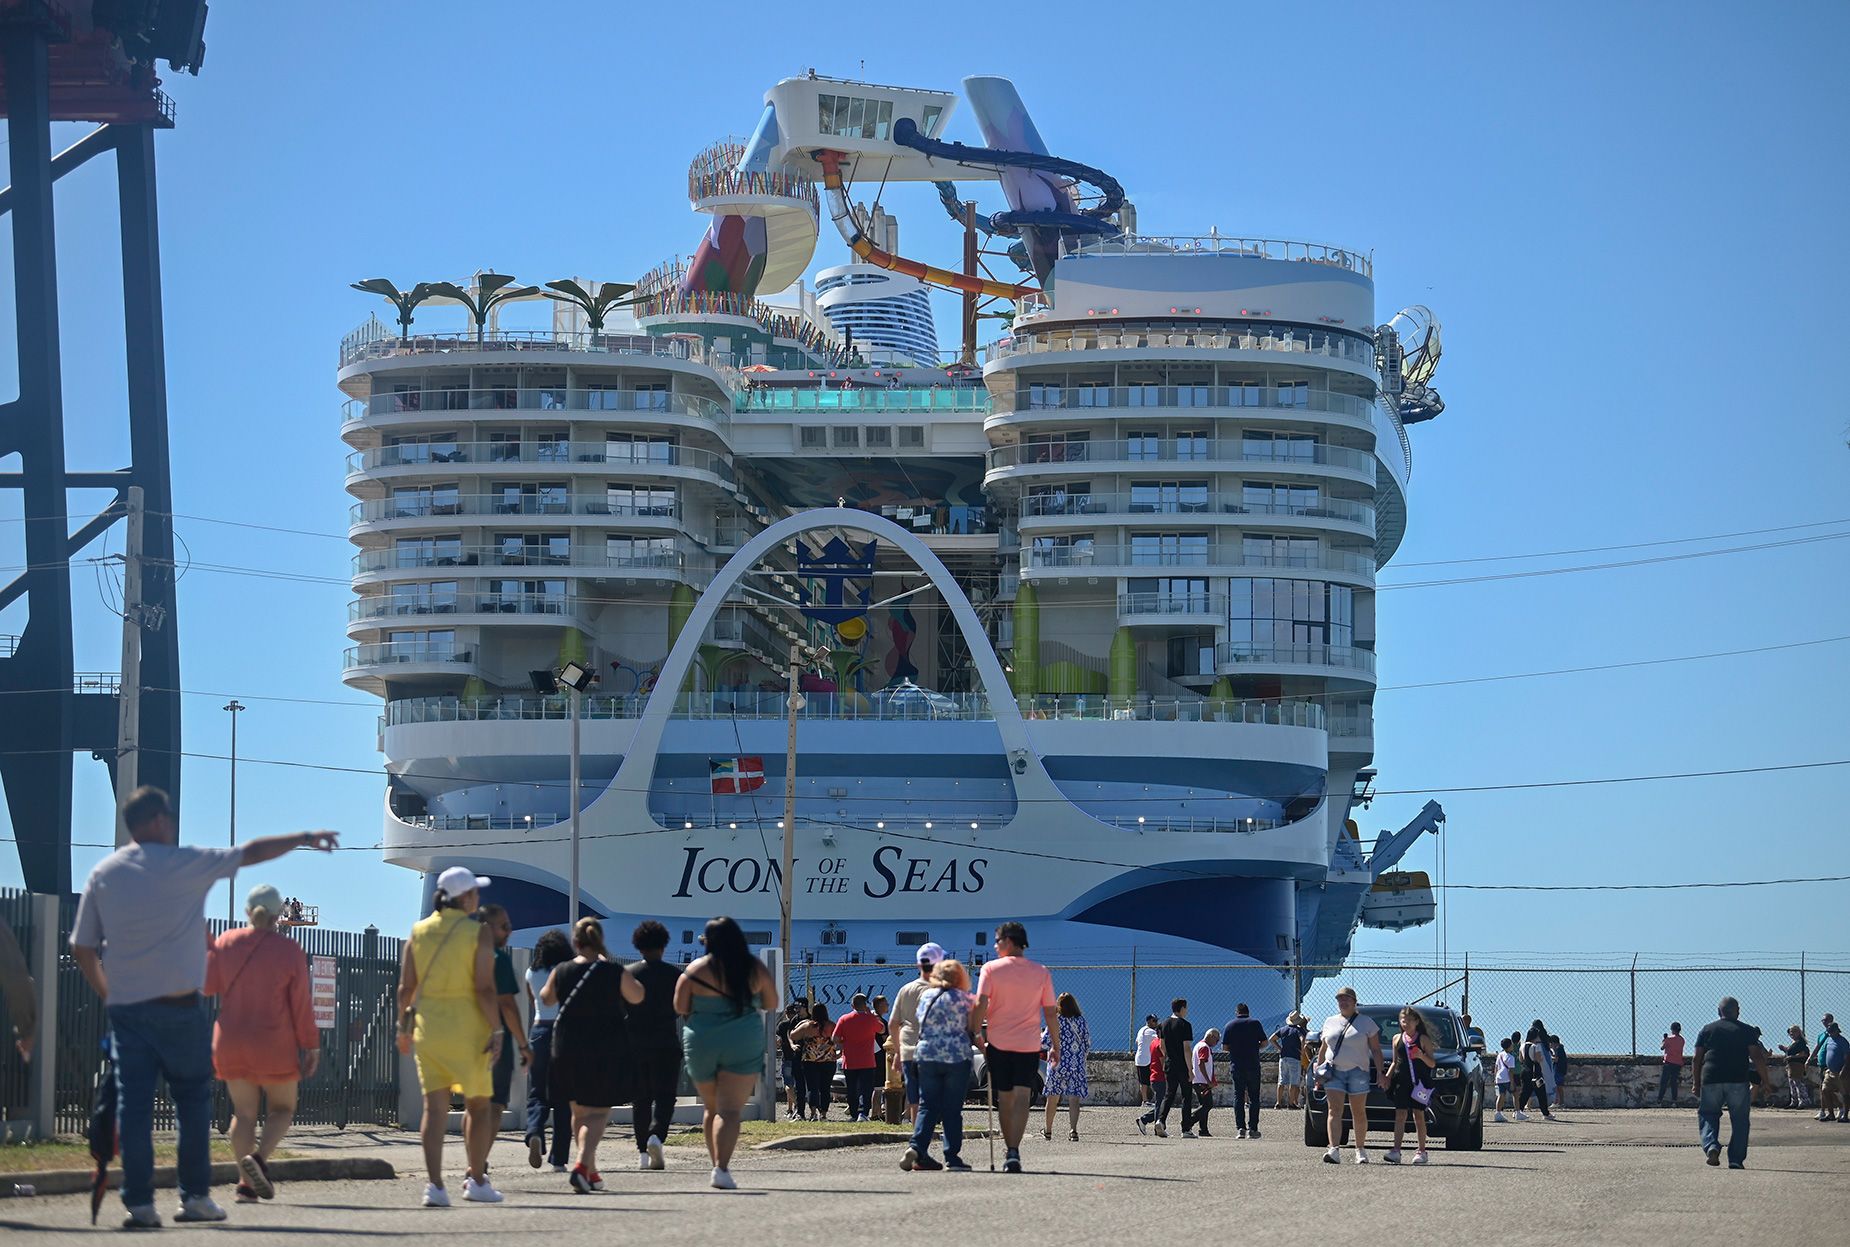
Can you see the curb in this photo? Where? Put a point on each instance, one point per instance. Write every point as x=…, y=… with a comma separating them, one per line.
x=166, y=1177
x=859, y=1138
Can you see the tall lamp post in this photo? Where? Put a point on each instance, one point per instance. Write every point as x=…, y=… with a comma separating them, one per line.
x=576, y=678
x=234, y=706
x=795, y=703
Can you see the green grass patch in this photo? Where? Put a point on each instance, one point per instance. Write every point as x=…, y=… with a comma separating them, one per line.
x=751, y=1132
x=71, y=1152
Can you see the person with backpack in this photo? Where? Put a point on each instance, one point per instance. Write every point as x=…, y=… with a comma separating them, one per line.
x=1538, y=1071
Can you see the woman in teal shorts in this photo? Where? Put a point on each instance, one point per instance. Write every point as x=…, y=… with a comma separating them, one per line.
x=724, y=996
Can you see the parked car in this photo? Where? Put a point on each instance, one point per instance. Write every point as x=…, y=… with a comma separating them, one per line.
x=1456, y=1113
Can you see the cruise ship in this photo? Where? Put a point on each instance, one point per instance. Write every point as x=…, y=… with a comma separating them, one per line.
x=1082, y=617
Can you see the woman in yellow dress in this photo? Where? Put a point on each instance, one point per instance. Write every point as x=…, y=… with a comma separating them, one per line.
x=447, y=1016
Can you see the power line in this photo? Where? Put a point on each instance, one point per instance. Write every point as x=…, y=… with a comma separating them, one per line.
x=1634, y=545
x=1595, y=567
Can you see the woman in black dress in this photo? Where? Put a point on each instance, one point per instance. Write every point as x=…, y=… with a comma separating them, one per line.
x=590, y=1043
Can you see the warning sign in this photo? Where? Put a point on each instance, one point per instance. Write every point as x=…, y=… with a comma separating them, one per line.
x=321, y=990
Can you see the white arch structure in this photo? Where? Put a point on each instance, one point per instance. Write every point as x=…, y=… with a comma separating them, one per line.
x=634, y=777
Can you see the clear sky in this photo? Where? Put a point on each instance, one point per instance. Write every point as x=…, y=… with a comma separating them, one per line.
x=1629, y=218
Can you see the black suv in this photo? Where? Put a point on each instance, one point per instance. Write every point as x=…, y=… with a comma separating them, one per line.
x=1456, y=1113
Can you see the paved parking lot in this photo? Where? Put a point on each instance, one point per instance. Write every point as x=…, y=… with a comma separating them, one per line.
x=1613, y=1176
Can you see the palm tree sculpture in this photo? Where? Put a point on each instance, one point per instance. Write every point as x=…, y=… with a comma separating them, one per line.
x=491, y=289
x=405, y=301
x=596, y=307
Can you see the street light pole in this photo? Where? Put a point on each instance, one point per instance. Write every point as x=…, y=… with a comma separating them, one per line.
x=572, y=919
x=795, y=703
x=231, y=894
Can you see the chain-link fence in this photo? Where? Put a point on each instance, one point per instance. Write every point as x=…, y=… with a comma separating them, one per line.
x=1613, y=1009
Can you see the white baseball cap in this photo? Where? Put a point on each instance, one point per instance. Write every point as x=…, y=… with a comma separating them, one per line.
x=459, y=879
x=931, y=953
x=265, y=897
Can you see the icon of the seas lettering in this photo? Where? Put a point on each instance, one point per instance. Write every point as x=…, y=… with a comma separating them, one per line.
x=899, y=873
x=741, y=876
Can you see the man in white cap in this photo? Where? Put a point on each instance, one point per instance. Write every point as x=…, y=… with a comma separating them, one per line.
x=140, y=940
x=902, y=1024
x=450, y=1016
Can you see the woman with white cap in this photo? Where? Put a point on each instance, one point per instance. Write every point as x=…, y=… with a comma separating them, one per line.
x=265, y=1039
x=448, y=1014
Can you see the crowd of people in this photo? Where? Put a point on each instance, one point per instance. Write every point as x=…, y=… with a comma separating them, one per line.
x=595, y=1032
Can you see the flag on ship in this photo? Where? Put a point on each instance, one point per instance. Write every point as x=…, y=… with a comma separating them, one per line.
x=732, y=776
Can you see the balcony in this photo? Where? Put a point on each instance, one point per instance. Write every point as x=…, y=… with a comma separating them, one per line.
x=860, y=399
x=1313, y=344
x=406, y=653
x=1220, y=244
x=1183, y=608
x=1147, y=454
x=1049, y=506
x=359, y=347
x=555, y=400
x=1239, y=654
x=390, y=606
x=1094, y=559
x=601, y=456
x=1119, y=399
x=381, y=509
x=743, y=704
x=369, y=562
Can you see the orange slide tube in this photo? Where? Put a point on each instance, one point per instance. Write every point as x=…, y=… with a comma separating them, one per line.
x=850, y=226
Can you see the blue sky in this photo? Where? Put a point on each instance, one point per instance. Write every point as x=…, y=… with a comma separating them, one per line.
x=1628, y=218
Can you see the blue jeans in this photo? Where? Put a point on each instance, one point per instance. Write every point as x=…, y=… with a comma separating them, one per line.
x=1737, y=1098
x=860, y=1092
x=942, y=1086
x=151, y=1040
x=541, y=1107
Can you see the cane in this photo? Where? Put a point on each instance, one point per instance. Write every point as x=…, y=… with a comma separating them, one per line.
x=989, y=1099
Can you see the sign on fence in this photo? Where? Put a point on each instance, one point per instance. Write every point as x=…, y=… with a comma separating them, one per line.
x=321, y=990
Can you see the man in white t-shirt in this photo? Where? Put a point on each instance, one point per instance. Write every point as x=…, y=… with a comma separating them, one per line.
x=1201, y=1071
x=1146, y=1039
x=903, y=1023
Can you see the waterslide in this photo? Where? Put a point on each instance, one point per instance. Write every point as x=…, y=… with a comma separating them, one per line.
x=764, y=201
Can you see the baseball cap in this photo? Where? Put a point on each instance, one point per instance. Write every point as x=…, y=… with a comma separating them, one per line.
x=459, y=879
x=265, y=897
x=931, y=953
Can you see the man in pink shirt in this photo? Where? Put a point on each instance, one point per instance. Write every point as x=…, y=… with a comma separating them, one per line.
x=1018, y=996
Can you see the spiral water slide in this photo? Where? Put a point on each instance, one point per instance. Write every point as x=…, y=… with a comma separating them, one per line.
x=1040, y=187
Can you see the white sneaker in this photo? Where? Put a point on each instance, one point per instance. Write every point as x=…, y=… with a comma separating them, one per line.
x=1521, y=1116
x=1419, y=1157
x=642, y=1161
x=435, y=1196
x=1188, y=1134
x=1361, y=1157
x=142, y=1217
x=482, y=1192
x=199, y=1208
x=1162, y=1131
x=1333, y=1157
x=722, y=1181
x=1392, y=1156
x=655, y=1153
x=1500, y=1117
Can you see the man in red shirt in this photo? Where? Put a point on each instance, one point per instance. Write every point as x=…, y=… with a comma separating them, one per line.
x=1018, y=1001
x=858, y=1033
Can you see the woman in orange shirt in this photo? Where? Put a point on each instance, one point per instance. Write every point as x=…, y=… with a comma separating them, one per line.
x=265, y=1039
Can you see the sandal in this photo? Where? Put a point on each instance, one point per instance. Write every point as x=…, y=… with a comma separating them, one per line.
x=1072, y=1136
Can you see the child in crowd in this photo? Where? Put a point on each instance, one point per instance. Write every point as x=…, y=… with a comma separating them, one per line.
x=1506, y=1071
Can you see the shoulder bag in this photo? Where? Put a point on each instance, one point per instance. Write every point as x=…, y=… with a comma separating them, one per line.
x=1327, y=1066
x=1422, y=1092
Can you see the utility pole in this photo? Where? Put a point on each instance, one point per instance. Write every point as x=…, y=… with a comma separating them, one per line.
x=795, y=703
x=231, y=895
x=128, y=725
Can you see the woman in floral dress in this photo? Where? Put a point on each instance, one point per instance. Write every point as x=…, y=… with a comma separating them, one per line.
x=1066, y=1080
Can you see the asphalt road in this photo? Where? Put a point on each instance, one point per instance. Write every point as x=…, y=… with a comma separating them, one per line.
x=1612, y=1176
